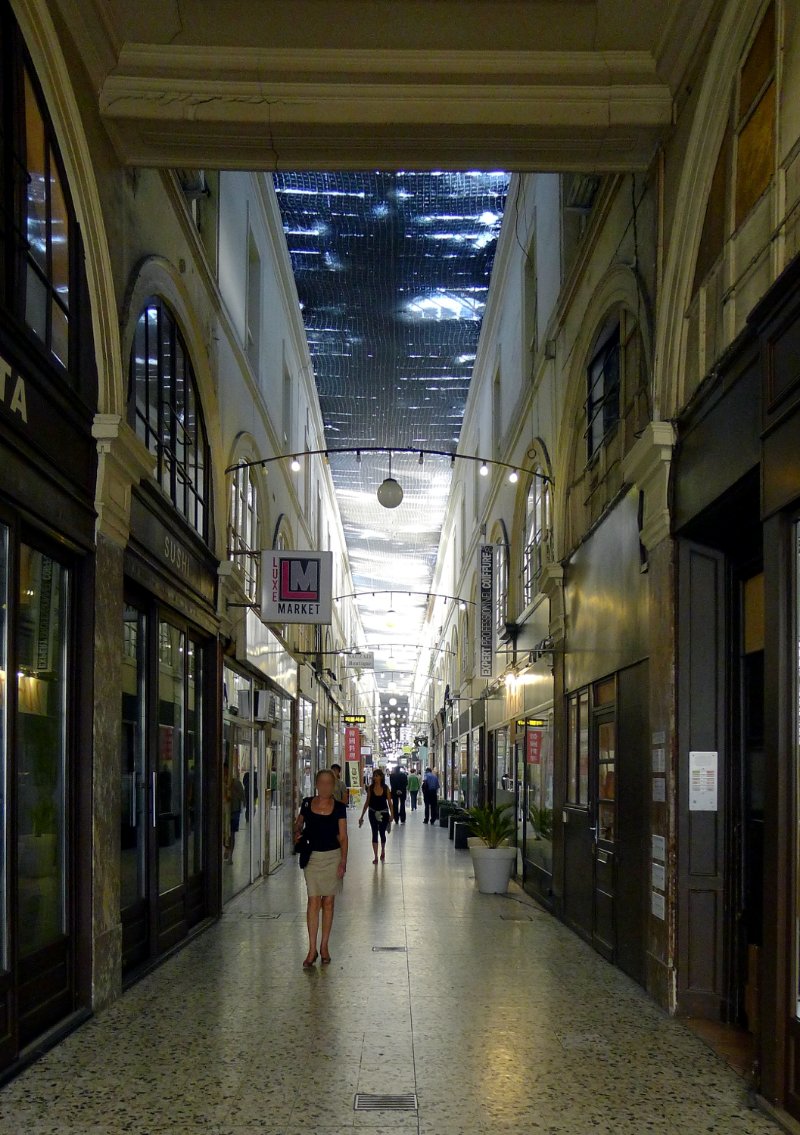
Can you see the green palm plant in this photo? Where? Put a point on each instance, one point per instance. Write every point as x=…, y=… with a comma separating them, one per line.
x=493, y=825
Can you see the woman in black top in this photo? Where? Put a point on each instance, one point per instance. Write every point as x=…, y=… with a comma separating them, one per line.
x=379, y=802
x=322, y=820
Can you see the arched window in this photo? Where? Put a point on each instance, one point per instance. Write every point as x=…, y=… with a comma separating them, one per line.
x=536, y=550
x=166, y=413
x=244, y=530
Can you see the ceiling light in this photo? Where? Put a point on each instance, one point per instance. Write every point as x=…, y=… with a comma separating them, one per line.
x=390, y=492
x=484, y=469
x=462, y=606
x=513, y=477
x=392, y=701
x=295, y=466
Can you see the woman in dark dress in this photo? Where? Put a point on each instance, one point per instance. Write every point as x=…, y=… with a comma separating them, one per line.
x=379, y=802
x=323, y=822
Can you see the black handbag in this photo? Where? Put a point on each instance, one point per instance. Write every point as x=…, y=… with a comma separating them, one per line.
x=302, y=847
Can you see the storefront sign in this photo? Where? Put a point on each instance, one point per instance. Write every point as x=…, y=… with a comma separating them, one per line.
x=486, y=607
x=296, y=587
x=169, y=550
x=355, y=719
x=531, y=722
x=364, y=660
x=703, y=782
x=13, y=394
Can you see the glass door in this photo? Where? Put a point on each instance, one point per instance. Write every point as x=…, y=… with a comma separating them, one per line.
x=604, y=783
x=42, y=885
x=162, y=783
x=133, y=784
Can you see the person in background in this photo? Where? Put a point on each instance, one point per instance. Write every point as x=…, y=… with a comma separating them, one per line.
x=414, y=783
x=237, y=800
x=379, y=802
x=398, y=782
x=431, y=782
x=339, y=791
x=323, y=821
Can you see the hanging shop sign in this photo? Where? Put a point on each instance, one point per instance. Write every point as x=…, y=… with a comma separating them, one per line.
x=296, y=587
x=531, y=723
x=534, y=744
x=354, y=719
x=486, y=635
x=352, y=749
x=364, y=660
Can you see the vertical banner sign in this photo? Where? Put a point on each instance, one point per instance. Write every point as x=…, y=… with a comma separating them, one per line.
x=352, y=751
x=534, y=739
x=296, y=587
x=486, y=607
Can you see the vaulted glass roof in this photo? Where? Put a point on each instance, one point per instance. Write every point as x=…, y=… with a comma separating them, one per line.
x=393, y=273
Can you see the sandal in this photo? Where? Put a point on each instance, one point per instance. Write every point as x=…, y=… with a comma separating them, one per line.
x=309, y=962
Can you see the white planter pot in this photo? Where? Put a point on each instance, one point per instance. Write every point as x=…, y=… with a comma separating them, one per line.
x=493, y=867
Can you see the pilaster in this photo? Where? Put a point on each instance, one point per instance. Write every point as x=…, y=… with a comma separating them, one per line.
x=647, y=466
x=122, y=462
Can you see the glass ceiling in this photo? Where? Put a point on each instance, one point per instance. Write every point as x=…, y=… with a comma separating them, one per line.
x=392, y=271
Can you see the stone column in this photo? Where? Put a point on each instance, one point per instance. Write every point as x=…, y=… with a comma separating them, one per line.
x=648, y=467
x=122, y=462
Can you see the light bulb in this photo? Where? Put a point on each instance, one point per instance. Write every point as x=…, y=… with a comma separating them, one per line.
x=484, y=469
x=390, y=493
x=295, y=466
x=513, y=477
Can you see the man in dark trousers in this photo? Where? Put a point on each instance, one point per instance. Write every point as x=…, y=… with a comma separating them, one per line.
x=430, y=788
x=398, y=782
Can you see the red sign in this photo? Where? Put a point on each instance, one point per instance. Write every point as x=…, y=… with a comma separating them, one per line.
x=352, y=743
x=534, y=740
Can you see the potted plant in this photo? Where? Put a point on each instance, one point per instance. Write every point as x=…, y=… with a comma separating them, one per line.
x=492, y=858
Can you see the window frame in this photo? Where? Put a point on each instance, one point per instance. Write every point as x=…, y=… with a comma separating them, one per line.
x=159, y=412
x=537, y=535
x=245, y=528
x=607, y=401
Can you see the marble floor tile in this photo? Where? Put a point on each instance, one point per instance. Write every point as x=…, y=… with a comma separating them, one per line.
x=500, y=1019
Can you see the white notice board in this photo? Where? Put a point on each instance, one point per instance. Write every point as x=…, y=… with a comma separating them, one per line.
x=703, y=781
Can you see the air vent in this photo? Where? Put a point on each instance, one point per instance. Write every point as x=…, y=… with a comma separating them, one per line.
x=366, y=1102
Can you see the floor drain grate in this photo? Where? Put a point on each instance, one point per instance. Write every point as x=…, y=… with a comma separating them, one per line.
x=366, y=1102
x=388, y=949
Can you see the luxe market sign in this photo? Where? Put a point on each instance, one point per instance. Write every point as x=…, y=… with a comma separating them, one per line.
x=296, y=587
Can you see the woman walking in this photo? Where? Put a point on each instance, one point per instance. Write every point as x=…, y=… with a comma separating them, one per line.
x=379, y=802
x=322, y=821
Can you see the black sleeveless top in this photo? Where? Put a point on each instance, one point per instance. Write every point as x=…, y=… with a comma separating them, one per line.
x=323, y=831
x=378, y=803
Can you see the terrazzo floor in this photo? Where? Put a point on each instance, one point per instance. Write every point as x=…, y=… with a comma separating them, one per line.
x=499, y=1018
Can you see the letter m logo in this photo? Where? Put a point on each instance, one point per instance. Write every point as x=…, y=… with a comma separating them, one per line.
x=300, y=580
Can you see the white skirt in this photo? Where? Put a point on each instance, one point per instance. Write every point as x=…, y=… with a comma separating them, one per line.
x=322, y=873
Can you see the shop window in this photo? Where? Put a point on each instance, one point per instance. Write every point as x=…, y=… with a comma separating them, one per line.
x=755, y=119
x=42, y=677
x=603, y=380
x=244, y=533
x=578, y=749
x=166, y=413
x=535, y=553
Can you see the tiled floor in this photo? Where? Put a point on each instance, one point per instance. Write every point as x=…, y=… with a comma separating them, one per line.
x=498, y=1017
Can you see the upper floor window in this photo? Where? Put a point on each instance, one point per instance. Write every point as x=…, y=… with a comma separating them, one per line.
x=501, y=587
x=755, y=119
x=42, y=277
x=535, y=553
x=47, y=233
x=165, y=411
x=602, y=403
x=244, y=532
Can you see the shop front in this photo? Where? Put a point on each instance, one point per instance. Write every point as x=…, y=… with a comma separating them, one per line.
x=169, y=729
x=48, y=395
x=274, y=673
x=601, y=791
